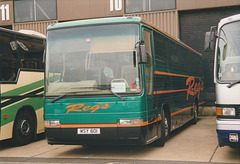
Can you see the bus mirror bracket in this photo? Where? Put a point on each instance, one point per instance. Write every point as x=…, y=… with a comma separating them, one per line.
x=44, y=51
x=141, y=52
x=210, y=38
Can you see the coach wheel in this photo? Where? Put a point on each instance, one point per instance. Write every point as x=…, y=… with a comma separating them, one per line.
x=166, y=127
x=164, y=130
x=24, y=129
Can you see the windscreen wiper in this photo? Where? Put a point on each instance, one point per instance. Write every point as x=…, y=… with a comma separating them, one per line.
x=66, y=93
x=101, y=88
x=115, y=94
x=232, y=84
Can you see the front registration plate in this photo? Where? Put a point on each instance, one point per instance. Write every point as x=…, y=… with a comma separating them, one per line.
x=88, y=131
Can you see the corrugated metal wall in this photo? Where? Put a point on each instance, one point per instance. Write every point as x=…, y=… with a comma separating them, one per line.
x=36, y=26
x=165, y=20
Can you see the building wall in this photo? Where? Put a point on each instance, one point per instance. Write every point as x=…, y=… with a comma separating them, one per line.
x=164, y=20
x=204, y=4
x=83, y=9
x=35, y=26
x=68, y=10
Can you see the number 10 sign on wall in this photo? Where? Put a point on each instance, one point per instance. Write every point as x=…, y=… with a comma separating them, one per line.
x=116, y=5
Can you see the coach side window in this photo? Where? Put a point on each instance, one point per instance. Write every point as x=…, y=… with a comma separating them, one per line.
x=149, y=66
x=8, y=58
x=30, y=52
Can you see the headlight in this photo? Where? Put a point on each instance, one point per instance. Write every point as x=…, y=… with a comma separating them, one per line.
x=131, y=121
x=228, y=111
x=225, y=111
x=52, y=123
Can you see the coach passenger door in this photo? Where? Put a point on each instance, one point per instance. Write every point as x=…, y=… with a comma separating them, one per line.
x=151, y=110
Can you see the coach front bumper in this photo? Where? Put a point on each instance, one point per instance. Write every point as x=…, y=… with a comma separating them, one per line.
x=108, y=135
x=228, y=131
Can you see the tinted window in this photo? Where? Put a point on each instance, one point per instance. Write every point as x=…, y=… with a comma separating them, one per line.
x=18, y=52
x=171, y=54
x=9, y=62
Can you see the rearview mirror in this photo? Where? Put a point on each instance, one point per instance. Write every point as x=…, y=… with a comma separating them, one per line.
x=141, y=53
x=210, y=39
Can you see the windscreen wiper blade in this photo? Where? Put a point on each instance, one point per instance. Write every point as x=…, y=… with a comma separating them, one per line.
x=104, y=88
x=232, y=84
x=115, y=94
x=61, y=96
x=101, y=88
x=57, y=98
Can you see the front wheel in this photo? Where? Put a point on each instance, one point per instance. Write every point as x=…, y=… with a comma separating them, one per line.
x=164, y=130
x=24, y=129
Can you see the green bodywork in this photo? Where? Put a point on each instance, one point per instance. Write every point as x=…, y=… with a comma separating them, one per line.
x=135, y=106
x=131, y=108
x=15, y=99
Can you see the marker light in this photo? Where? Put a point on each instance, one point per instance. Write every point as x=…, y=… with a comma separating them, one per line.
x=218, y=111
x=52, y=123
x=131, y=122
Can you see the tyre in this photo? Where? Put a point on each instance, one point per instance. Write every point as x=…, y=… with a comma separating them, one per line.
x=164, y=130
x=24, y=129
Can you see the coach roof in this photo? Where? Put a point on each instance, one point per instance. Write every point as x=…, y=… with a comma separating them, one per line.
x=87, y=22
